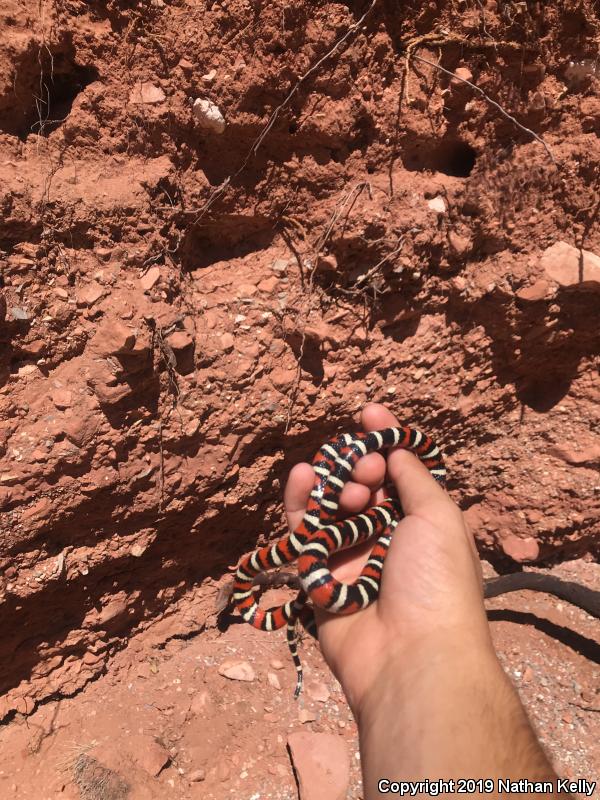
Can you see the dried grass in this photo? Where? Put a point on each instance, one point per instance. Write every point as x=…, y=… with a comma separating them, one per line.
x=97, y=782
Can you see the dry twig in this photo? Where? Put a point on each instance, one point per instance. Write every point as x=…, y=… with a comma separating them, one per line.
x=97, y=782
x=346, y=203
x=168, y=358
x=373, y=271
x=300, y=81
x=483, y=22
x=348, y=199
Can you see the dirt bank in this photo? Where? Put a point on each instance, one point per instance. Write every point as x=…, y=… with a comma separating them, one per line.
x=195, y=297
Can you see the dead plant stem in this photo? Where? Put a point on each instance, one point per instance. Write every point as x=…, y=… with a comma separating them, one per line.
x=373, y=271
x=489, y=100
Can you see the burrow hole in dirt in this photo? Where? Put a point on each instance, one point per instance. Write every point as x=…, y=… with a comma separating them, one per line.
x=543, y=395
x=232, y=236
x=57, y=95
x=45, y=87
x=450, y=157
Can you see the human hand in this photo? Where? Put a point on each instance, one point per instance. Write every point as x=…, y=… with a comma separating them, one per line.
x=418, y=667
x=431, y=592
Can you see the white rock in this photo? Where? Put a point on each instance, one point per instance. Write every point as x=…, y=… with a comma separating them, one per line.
x=318, y=691
x=571, y=267
x=305, y=715
x=577, y=71
x=208, y=115
x=437, y=204
x=28, y=369
x=280, y=265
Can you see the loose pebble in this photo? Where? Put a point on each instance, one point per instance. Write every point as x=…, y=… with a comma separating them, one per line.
x=273, y=680
x=209, y=116
x=437, y=204
x=321, y=764
x=237, y=671
x=317, y=690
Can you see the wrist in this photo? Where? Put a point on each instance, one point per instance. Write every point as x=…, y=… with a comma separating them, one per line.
x=440, y=660
x=445, y=708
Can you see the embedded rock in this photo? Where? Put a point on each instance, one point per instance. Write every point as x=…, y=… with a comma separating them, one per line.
x=322, y=765
x=237, y=671
x=208, y=115
x=113, y=338
x=148, y=754
x=571, y=267
x=521, y=548
x=535, y=292
x=145, y=93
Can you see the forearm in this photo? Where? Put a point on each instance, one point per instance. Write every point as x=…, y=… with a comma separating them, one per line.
x=446, y=712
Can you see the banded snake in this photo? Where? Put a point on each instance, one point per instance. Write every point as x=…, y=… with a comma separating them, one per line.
x=319, y=535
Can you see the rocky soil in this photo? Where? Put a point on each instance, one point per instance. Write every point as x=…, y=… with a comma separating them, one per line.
x=194, y=713
x=224, y=227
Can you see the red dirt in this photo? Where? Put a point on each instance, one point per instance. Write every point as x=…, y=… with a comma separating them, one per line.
x=184, y=314
x=165, y=689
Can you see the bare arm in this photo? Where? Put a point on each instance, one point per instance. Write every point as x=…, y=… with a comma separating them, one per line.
x=418, y=667
x=446, y=710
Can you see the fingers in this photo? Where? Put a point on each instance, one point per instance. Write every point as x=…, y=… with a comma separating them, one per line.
x=297, y=491
x=368, y=477
x=370, y=471
x=375, y=417
x=419, y=493
x=354, y=496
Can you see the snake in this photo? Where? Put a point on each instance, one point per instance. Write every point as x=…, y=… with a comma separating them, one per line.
x=320, y=534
